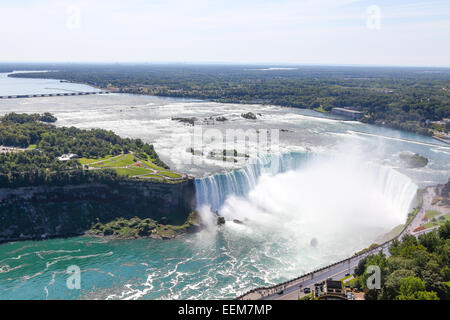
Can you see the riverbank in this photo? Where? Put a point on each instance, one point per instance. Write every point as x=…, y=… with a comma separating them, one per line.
x=432, y=211
x=441, y=139
x=320, y=112
x=322, y=88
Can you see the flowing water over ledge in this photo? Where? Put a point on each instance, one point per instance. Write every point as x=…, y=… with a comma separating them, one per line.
x=213, y=190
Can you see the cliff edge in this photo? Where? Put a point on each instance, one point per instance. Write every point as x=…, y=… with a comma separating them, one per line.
x=41, y=212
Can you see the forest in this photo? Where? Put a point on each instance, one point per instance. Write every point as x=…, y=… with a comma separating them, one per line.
x=43, y=143
x=401, y=98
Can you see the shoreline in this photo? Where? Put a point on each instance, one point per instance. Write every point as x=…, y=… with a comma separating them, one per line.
x=319, y=113
x=441, y=139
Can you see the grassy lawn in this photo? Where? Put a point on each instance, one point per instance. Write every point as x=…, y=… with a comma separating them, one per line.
x=32, y=146
x=84, y=161
x=127, y=166
x=153, y=176
x=346, y=277
x=131, y=171
x=123, y=161
x=309, y=296
x=438, y=222
x=161, y=171
x=169, y=174
x=152, y=165
x=430, y=214
x=320, y=109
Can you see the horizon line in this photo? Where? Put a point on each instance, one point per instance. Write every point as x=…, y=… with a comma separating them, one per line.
x=224, y=63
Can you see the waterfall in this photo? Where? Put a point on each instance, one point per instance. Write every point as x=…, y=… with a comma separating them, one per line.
x=397, y=190
x=215, y=189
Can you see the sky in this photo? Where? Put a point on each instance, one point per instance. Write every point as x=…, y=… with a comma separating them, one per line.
x=326, y=32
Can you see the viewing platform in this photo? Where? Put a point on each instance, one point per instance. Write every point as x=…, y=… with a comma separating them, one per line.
x=53, y=94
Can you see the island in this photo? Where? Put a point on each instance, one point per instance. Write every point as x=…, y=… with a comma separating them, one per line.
x=413, y=160
x=60, y=182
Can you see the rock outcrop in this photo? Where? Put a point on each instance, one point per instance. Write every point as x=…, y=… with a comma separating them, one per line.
x=249, y=115
x=50, y=211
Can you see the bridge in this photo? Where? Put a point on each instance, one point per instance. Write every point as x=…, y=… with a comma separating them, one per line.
x=40, y=95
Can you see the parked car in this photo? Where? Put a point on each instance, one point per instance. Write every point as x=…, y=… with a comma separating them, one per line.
x=307, y=290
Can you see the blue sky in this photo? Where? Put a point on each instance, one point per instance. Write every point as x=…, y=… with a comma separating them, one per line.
x=357, y=32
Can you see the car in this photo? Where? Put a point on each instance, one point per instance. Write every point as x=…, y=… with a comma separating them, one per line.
x=300, y=285
x=307, y=290
x=347, y=274
x=280, y=292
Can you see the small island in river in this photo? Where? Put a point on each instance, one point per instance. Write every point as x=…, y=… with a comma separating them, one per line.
x=413, y=160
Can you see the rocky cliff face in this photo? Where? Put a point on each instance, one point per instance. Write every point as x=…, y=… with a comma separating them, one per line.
x=42, y=212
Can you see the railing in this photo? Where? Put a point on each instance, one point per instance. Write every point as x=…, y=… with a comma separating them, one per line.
x=310, y=275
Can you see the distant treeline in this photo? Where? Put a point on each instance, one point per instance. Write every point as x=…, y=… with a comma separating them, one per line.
x=40, y=164
x=402, y=98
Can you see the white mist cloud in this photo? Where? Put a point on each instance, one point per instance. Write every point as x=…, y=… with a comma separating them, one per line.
x=336, y=200
x=342, y=203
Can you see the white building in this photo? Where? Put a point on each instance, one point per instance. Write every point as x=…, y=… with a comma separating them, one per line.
x=66, y=157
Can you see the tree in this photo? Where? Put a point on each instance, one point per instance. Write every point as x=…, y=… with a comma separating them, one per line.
x=430, y=240
x=391, y=288
x=444, y=231
x=434, y=282
x=413, y=288
x=361, y=267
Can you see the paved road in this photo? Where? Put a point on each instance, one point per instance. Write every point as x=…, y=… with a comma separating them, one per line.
x=291, y=289
x=293, y=292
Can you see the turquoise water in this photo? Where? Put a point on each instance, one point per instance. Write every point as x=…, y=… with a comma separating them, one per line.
x=185, y=268
x=339, y=182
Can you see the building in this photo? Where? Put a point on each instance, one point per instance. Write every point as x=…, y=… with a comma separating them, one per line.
x=66, y=157
x=329, y=290
x=348, y=112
